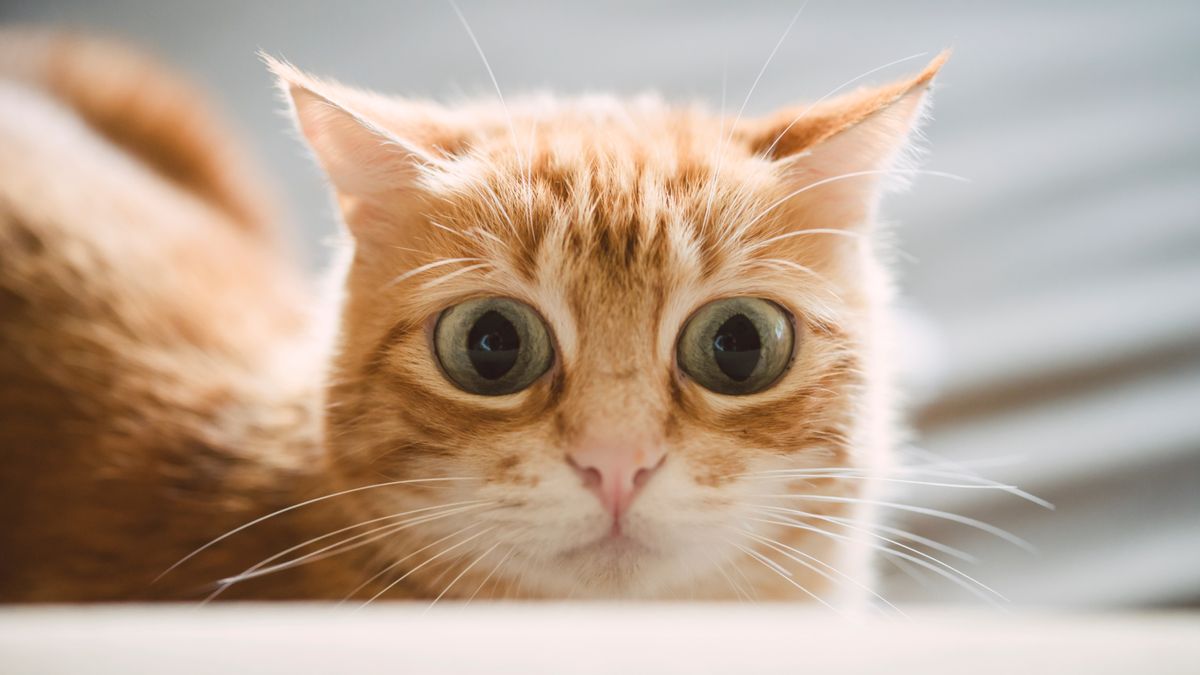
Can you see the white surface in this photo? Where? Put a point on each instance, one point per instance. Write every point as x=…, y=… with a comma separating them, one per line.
x=692, y=639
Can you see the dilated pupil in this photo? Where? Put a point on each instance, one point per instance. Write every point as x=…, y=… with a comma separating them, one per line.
x=737, y=347
x=493, y=345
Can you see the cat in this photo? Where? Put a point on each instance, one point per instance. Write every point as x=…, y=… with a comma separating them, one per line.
x=582, y=347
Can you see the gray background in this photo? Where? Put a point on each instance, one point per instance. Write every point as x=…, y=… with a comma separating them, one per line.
x=1054, y=300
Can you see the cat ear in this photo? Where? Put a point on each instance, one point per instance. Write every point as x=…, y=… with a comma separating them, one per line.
x=361, y=157
x=850, y=143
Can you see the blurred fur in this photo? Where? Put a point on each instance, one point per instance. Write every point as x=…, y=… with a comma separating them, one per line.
x=163, y=381
x=152, y=388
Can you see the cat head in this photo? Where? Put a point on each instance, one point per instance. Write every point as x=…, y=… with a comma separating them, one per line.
x=588, y=329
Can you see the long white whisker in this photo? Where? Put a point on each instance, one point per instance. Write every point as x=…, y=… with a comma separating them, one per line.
x=418, y=567
x=248, y=573
x=911, y=558
x=746, y=102
x=792, y=513
x=512, y=129
x=339, y=547
x=429, y=266
x=843, y=476
x=737, y=591
x=908, y=570
x=911, y=536
x=738, y=570
x=933, y=513
x=293, y=507
x=491, y=574
x=780, y=547
x=783, y=574
x=456, y=273
x=936, y=471
x=980, y=483
x=401, y=561
x=961, y=470
x=460, y=575
x=850, y=525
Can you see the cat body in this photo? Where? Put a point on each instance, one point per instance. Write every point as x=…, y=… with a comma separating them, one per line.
x=149, y=328
x=524, y=397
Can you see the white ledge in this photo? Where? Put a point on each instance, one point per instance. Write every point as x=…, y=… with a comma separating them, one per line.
x=584, y=638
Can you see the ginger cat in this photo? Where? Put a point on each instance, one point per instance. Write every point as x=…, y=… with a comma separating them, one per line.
x=584, y=347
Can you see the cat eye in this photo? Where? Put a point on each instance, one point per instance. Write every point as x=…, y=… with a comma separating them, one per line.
x=736, y=346
x=492, y=346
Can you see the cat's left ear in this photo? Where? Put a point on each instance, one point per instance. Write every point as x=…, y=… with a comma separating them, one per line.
x=858, y=137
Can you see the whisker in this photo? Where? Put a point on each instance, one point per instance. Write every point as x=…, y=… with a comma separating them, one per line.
x=783, y=574
x=791, y=513
x=486, y=65
x=745, y=102
x=418, y=567
x=491, y=574
x=429, y=266
x=512, y=129
x=909, y=571
x=870, y=531
x=780, y=546
x=911, y=558
x=1012, y=489
x=460, y=575
x=720, y=567
x=401, y=561
x=911, y=536
x=738, y=570
x=471, y=235
x=293, y=507
x=933, y=513
x=937, y=470
x=336, y=547
x=456, y=273
x=960, y=470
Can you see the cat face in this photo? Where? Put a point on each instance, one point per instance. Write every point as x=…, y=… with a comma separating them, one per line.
x=588, y=330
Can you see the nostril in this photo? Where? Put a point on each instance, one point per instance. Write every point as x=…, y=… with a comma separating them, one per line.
x=643, y=474
x=591, y=477
x=590, y=474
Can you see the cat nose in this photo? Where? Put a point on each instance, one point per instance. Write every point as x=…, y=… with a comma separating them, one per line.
x=616, y=472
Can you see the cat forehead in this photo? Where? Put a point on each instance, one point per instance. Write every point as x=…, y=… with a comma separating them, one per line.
x=615, y=207
x=597, y=127
x=627, y=203
x=599, y=166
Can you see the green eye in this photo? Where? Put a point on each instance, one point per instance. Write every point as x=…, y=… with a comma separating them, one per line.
x=736, y=346
x=492, y=346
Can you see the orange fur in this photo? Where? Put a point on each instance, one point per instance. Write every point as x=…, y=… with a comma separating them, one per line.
x=614, y=219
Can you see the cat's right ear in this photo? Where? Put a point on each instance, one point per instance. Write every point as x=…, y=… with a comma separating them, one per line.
x=360, y=156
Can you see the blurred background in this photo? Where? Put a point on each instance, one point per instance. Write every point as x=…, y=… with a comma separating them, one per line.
x=1053, y=302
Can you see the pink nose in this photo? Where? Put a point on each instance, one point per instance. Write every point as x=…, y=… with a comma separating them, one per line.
x=615, y=472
